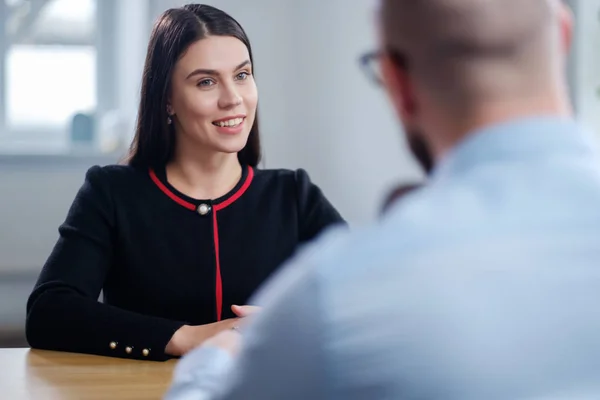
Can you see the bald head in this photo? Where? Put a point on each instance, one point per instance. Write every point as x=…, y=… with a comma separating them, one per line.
x=474, y=47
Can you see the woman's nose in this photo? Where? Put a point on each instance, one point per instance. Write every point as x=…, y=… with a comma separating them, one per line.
x=230, y=98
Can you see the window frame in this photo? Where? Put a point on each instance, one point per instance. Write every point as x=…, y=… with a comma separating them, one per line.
x=54, y=140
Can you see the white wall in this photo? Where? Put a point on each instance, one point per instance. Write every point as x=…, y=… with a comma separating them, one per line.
x=586, y=61
x=33, y=202
x=317, y=109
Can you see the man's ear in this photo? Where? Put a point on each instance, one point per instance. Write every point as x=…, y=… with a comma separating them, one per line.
x=400, y=89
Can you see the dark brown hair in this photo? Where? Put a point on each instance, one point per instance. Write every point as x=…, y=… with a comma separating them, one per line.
x=175, y=30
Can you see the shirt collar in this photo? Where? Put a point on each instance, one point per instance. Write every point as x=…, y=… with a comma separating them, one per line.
x=525, y=139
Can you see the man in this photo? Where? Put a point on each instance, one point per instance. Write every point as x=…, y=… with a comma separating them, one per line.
x=485, y=283
x=420, y=151
x=395, y=194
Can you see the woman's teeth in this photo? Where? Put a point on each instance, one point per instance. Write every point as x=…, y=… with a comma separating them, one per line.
x=229, y=122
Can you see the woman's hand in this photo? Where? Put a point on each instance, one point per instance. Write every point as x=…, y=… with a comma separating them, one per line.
x=189, y=337
x=231, y=341
x=244, y=311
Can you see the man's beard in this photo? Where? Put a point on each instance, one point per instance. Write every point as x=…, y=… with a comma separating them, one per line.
x=420, y=150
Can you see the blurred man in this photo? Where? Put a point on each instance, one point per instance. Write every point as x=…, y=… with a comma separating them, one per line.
x=395, y=194
x=422, y=155
x=482, y=285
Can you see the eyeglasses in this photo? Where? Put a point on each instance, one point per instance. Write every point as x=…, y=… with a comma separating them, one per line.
x=370, y=63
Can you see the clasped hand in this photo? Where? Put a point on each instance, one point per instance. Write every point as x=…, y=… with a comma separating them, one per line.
x=189, y=337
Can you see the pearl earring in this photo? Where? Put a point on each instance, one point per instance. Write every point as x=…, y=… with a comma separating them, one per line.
x=169, y=120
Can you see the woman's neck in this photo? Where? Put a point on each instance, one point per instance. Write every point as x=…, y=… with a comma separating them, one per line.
x=204, y=177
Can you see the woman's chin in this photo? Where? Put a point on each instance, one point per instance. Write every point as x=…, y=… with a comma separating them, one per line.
x=232, y=146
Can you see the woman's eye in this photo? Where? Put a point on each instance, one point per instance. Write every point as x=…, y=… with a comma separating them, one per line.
x=243, y=76
x=205, y=83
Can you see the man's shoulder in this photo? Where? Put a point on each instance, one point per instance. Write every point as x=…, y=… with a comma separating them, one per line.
x=486, y=210
x=426, y=222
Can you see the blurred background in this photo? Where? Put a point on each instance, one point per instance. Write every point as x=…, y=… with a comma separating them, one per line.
x=69, y=82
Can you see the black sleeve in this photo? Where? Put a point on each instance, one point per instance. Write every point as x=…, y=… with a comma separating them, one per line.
x=63, y=311
x=316, y=212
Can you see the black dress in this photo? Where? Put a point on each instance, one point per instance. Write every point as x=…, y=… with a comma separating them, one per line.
x=163, y=259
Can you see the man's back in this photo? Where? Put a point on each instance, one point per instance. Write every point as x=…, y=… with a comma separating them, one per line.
x=484, y=285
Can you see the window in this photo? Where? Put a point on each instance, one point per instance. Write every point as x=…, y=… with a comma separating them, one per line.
x=49, y=71
x=47, y=84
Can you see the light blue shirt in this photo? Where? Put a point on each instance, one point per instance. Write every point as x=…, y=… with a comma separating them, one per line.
x=483, y=285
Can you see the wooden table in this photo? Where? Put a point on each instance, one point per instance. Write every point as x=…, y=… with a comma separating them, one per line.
x=46, y=375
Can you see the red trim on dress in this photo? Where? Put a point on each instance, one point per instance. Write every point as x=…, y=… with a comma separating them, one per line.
x=215, y=208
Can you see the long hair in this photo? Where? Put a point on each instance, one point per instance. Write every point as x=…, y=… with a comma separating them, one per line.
x=175, y=30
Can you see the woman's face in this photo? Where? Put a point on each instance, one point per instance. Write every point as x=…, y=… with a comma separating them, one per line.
x=214, y=97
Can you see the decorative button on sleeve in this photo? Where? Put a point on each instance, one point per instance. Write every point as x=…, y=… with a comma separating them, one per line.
x=113, y=345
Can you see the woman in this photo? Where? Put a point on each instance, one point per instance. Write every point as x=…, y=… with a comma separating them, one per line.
x=189, y=227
